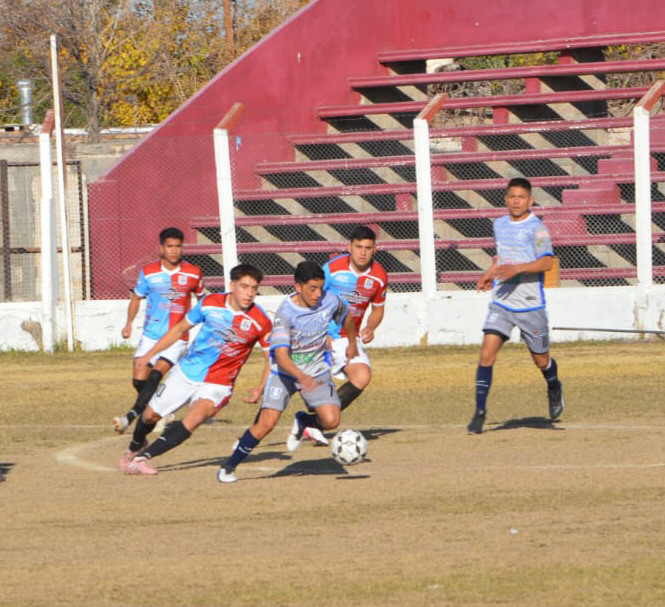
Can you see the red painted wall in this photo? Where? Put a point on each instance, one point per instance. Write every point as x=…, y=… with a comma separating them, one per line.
x=281, y=80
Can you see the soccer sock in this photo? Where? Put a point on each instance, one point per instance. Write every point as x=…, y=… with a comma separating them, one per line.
x=245, y=445
x=347, y=394
x=141, y=430
x=550, y=373
x=138, y=384
x=306, y=420
x=483, y=384
x=142, y=400
x=174, y=435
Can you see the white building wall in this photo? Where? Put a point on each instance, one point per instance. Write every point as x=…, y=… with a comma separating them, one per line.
x=451, y=318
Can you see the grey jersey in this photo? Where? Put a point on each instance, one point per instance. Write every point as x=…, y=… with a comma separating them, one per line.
x=304, y=331
x=521, y=242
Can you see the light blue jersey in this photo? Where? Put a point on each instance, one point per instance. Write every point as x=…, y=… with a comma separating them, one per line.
x=304, y=331
x=521, y=242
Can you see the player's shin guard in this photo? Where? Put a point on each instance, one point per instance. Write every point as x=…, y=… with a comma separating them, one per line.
x=347, y=394
x=483, y=385
x=142, y=400
x=174, y=435
x=244, y=447
x=550, y=373
x=141, y=431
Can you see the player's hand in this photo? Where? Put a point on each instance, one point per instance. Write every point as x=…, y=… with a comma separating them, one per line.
x=307, y=383
x=484, y=282
x=126, y=331
x=506, y=272
x=329, y=343
x=253, y=395
x=366, y=335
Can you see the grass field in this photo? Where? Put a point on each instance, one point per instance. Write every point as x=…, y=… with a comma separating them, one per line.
x=529, y=513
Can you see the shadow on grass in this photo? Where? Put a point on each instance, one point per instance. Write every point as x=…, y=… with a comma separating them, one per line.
x=6, y=467
x=537, y=423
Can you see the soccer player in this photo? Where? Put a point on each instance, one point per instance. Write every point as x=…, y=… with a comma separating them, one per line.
x=167, y=285
x=231, y=324
x=300, y=362
x=359, y=280
x=524, y=254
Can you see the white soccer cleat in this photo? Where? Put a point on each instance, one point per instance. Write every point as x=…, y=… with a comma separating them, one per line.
x=226, y=475
x=120, y=424
x=315, y=435
x=294, y=438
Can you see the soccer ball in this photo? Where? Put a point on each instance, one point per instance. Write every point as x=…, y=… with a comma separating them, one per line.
x=348, y=447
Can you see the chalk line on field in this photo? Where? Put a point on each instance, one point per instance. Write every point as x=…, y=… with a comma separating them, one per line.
x=70, y=456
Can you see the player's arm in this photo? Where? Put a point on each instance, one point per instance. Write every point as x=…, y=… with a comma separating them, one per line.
x=255, y=393
x=283, y=358
x=485, y=281
x=507, y=271
x=132, y=311
x=373, y=321
x=168, y=339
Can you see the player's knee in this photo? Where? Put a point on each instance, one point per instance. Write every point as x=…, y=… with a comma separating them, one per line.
x=329, y=421
x=150, y=417
x=359, y=375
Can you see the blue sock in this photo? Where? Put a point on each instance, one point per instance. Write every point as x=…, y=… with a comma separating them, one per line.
x=483, y=384
x=550, y=373
x=246, y=443
x=308, y=420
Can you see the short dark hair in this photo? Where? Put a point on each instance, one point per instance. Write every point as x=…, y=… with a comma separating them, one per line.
x=363, y=233
x=171, y=233
x=246, y=269
x=308, y=270
x=520, y=182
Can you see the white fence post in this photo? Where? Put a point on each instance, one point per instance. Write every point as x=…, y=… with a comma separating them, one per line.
x=49, y=258
x=642, y=153
x=428, y=272
x=227, y=224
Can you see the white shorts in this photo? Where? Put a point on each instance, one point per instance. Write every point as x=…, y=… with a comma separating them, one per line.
x=177, y=390
x=172, y=353
x=339, y=361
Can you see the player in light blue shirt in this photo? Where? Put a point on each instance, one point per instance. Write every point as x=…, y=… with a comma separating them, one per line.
x=524, y=254
x=300, y=363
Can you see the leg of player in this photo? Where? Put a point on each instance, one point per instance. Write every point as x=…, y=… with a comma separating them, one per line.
x=175, y=434
x=144, y=426
x=263, y=424
x=492, y=343
x=359, y=375
x=549, y=369
x=145, y=391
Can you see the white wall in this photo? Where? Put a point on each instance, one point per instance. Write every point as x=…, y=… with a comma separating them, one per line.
x=453, y=318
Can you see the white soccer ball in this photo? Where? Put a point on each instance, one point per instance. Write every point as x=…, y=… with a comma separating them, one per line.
x=348, y=447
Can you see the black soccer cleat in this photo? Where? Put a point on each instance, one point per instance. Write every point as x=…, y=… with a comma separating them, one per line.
x=555, y=400
x=476, y=424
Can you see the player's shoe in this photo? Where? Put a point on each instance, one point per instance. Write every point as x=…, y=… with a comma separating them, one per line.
x=3, y=478
x=476, y=424
x=226, y=475
x=120, y=424
x=125, y=460
x=315, y=435
x=555, y=400
x=294, y=438
x=140, y=465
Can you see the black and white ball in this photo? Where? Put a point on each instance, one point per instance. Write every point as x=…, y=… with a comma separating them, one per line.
x=348, y=447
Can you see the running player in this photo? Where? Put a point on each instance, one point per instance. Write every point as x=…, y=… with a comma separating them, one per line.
x=524, y=254
x=300, y=362
x=359, y=280
x=167, y=285
x=231, y=324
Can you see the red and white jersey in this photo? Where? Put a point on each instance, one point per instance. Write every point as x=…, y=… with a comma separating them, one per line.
x=224, y=341
x=357, y=290
x=168, y=295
